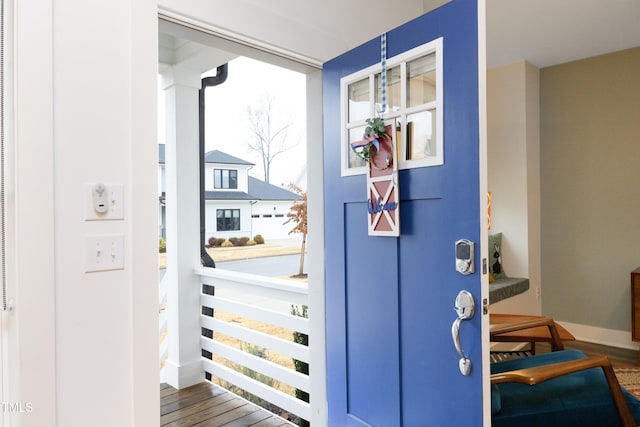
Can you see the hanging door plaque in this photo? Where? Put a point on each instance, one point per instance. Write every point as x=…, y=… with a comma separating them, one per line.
x=383, y=196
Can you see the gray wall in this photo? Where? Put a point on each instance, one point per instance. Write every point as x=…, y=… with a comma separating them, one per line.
x=513, y=156
x=590, y=173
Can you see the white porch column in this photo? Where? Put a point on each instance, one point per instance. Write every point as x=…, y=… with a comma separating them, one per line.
x=183, y=367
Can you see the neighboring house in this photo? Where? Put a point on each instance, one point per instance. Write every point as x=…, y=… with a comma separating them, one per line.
x=237, y=204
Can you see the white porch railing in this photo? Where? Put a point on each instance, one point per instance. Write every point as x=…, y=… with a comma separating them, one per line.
x=267, y=300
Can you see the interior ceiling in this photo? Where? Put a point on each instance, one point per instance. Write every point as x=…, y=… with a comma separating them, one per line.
x=543, y=32
x=549, y=32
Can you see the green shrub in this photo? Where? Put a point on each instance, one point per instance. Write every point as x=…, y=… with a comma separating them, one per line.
x=264, y=379
x=227, y=244
x=162, y=245
x=242, y=241
x=233, y=240
x=258, y=239
x=251, y=243
x=221, y=240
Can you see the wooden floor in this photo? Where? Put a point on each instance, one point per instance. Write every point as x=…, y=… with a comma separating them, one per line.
x=208, y=405
x=618, y=356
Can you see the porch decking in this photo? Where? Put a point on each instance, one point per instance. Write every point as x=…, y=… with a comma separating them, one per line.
x=206, y=404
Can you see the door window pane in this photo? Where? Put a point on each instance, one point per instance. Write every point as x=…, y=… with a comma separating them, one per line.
x=421, y=80
x=359, y=98
x=393, y=90
x=355, y=134
x=413, y=96
x=421, y=135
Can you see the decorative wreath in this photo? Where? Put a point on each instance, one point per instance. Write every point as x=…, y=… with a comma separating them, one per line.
x=369, y=146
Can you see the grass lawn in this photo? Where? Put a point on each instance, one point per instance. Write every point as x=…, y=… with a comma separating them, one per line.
x=265, y=328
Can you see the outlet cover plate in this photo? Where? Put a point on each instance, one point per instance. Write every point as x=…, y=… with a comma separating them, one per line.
x=115, y=199
x=104, y=252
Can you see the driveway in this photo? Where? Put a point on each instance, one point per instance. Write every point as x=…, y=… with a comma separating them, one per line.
x=271, y=266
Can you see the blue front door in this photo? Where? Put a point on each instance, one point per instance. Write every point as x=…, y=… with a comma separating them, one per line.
x=390, y=300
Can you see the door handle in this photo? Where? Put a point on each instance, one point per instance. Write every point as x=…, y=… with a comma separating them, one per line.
x=465, y=307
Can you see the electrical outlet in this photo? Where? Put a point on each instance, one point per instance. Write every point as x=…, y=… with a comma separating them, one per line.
x=114, y=198
x=104, y=252
x=538, y=293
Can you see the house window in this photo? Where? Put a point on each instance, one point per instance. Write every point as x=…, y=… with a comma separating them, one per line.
x=225, y=178
x=414, y=105
x=228, y=219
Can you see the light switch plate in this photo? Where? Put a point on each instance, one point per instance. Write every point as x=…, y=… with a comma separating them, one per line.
x=104, y=252
x=115, y=200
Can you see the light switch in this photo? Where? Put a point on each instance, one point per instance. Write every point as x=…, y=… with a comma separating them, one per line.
x=104, y=252
x=114, y=199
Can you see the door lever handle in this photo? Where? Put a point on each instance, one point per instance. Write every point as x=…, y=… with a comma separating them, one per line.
x=465, y=307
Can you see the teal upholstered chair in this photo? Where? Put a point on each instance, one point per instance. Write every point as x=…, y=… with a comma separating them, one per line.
x=563, y=388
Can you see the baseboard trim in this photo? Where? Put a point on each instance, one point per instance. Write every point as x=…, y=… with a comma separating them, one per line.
x=185, y=375
x=593, y=334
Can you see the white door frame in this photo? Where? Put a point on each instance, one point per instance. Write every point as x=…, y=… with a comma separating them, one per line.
x=483, y=180
x=315, y=175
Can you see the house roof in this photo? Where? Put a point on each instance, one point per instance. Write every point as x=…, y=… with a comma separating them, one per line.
x=227, y=195
x=265, y=191
x=258, y=190
x=215, y=156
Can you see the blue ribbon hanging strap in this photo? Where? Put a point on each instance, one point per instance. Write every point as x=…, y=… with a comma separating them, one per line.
x=383, y=73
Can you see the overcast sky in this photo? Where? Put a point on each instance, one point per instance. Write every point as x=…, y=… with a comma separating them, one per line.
x=247, y=83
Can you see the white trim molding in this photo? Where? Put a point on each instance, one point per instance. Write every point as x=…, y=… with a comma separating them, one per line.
x=237, y=39
x=594, y=334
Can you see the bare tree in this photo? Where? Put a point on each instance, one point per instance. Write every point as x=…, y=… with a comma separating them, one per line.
x=269, y=132
x=298, y=215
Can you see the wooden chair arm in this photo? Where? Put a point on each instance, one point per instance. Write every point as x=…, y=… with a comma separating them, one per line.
x=528, y=323
x=501, y=328
x=539, y=374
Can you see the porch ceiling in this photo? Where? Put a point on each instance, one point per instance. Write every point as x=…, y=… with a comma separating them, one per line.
x=543, y=32
x=178, y=51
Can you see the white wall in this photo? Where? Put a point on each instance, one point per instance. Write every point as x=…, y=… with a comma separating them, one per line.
x=29, y=339
x=273, y=227
x=269, y=228
x=86, y=352
x=514, y=176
